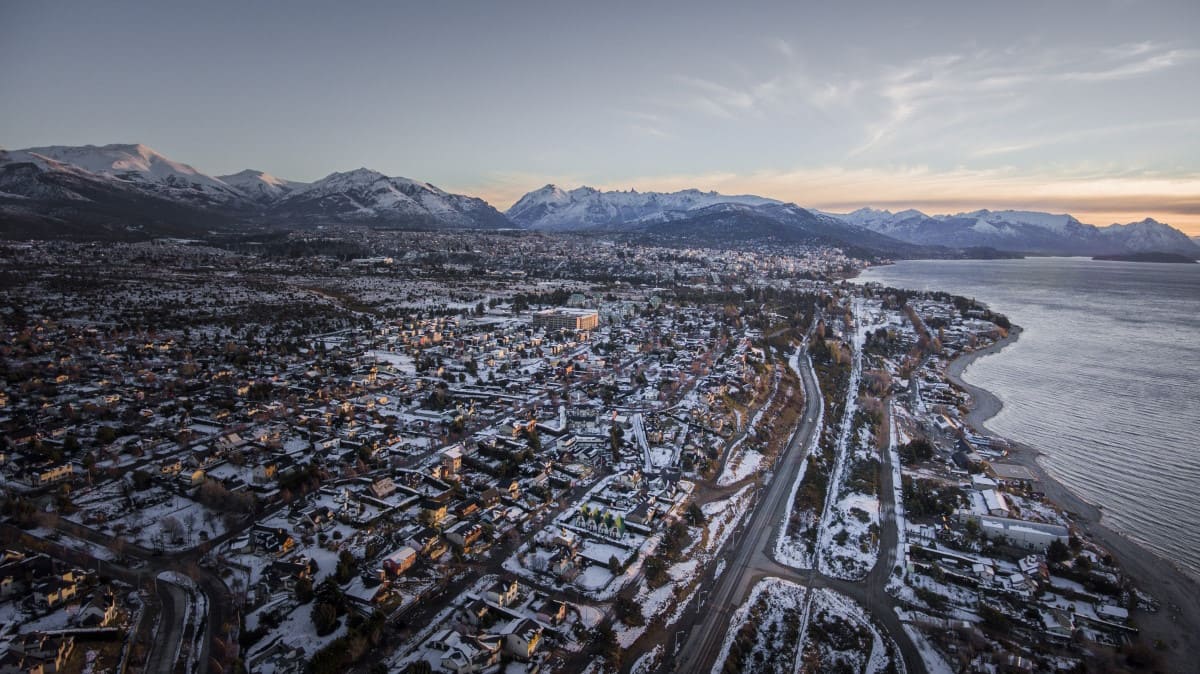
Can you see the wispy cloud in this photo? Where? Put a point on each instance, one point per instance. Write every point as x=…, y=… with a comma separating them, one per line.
x=1067, y=137
x=1143, y=60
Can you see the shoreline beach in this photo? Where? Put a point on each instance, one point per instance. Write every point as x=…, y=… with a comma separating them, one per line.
x=1177, y=622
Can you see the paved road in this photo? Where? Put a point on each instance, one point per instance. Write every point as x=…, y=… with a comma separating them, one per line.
x=173, y=600
x=750, y=558
x=752, y=545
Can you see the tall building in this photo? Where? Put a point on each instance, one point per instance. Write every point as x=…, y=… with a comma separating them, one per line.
x=566, y=319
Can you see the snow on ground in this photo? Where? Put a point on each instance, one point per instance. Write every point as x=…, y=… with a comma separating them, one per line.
x=933, y=660
x=791, y=550
x=851, y=554
x=773, y=612
x=724, y=515
x=835, y=614
x=645, y=664
x=744, y=460
x=747, y=463
x=414, y=648
x=161, y=519
x=402, y=363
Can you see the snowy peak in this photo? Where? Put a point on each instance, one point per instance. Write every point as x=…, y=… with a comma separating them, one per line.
x=1150, y=235
x=134, y=184
x=1000, y=219
x=585, y=207
x=134, y=166
x=1023, y=231
x=131, y=162
x=260, y=186
x=364, y=195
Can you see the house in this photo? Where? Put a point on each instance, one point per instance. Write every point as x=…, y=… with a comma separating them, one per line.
x=503, y=592
x=432, y=512
x=462, y=654
x=39, y=477
x=276, y=541
x=99, y=611
x=382, y=488
x=452, y=459
x=264, y=472
x=464, y=535
x=399, y=561
x=521, y=638
x=549, y=610
x=37, y=654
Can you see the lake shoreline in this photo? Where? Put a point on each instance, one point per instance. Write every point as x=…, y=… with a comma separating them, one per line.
x=1177, y=622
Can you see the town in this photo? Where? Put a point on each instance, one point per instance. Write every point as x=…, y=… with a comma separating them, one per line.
x=389, y=451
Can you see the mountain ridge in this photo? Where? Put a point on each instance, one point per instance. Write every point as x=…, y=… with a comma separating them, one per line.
x=67, y=188
x=129, y=189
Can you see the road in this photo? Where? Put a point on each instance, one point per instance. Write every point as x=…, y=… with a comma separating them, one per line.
x=170, y=628
x=749, y=558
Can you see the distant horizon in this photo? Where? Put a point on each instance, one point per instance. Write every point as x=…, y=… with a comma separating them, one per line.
x=503, y=200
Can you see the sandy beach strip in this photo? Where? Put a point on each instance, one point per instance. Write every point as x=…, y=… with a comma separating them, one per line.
x=1177, y=623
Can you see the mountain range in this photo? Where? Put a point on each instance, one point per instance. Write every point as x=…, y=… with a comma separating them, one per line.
x=1024, y=231
x=127, y=191
x=131, y=191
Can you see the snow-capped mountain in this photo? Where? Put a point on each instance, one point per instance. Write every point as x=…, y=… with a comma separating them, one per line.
x=260, y=186
x=1149, y=235
x=1022, y=231
x=135, y=166
x=584, y=208
x=364, y=195
x=133, y=190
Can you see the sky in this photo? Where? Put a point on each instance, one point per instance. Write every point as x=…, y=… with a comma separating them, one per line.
x=1081, y=106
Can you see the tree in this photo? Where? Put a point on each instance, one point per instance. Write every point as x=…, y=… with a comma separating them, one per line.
x=615, y=437
x=324, y=618
x=614, y=565
x=171, y=526
x=695, y=515
x=1057, y=552
x=304, y=590
x=628, y=611
x=605, y=644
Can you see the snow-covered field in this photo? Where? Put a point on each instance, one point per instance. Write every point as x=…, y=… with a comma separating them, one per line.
x=764, y=631
x=845, y=638
x=849, y=530
x=747, y=462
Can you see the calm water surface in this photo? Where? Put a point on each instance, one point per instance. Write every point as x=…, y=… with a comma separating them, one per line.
x=1105, y=380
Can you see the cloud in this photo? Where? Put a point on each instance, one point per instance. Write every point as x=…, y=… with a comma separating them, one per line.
x=1066, y=137
x=918, y=94
x=784, y=48
x=1127, y=68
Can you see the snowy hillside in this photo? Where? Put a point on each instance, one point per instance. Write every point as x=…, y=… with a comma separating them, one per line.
x=366, y=195
x=136, y=166
x=132, y=187
x=1149, y=235
x=1022, y=231
x=260, y=186
x=588, y=208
